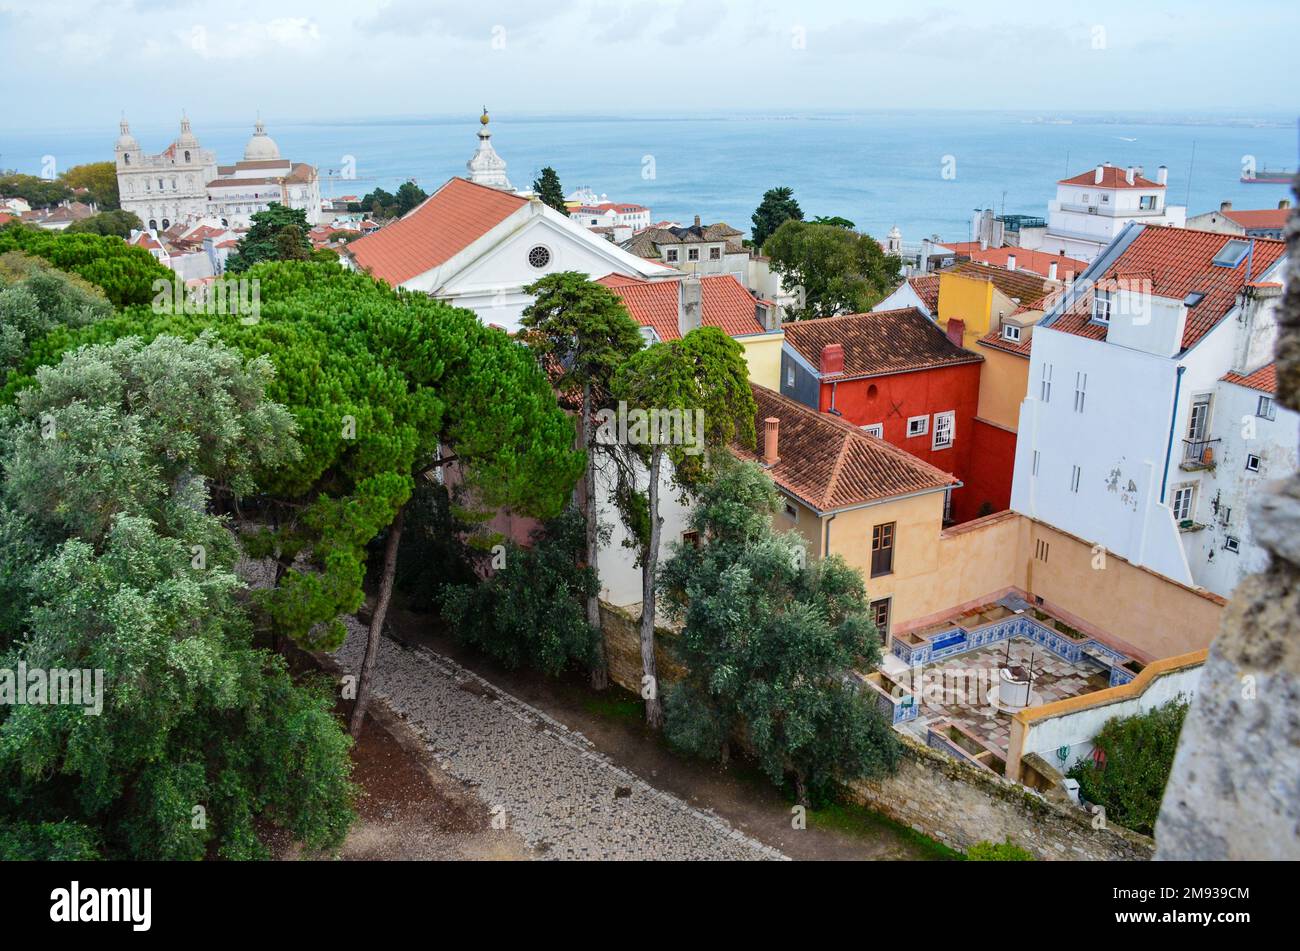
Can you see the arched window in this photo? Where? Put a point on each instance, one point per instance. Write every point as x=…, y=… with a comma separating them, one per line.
x=153, y=224
x=160, y=184
x=174, y=183
x=166, y=224
x=187, y=155
x=126, y=159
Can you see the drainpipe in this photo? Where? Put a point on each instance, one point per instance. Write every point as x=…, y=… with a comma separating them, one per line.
x=1173, y=419
x=826, y=544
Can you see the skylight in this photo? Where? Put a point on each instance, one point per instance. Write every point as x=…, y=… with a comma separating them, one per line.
x=1232, y=253
x=1194, y=298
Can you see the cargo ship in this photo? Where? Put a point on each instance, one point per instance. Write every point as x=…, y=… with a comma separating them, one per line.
x=1270, y=176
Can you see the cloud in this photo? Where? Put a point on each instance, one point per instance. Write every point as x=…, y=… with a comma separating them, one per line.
x=251, y=38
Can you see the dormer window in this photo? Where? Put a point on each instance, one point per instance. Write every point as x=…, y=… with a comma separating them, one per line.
x=1232, y=253
x=1101, y=304
x=1011, y=332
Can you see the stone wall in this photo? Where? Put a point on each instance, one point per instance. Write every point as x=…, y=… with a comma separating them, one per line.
x=623, y=649
x=960, y=805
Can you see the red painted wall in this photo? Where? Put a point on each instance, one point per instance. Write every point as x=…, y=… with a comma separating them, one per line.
x=892, y=399
x=992, y=464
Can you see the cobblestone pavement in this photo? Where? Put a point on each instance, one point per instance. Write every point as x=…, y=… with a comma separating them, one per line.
x=547, y=782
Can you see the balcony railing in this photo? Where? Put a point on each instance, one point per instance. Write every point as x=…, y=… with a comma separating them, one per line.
x=1199, y=453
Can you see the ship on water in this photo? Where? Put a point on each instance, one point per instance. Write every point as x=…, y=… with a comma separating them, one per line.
x=1269, y=176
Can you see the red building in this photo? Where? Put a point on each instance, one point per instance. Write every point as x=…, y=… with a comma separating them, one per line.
x=896, y=375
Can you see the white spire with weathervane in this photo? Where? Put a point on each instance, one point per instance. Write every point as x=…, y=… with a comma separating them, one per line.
x=486, y=167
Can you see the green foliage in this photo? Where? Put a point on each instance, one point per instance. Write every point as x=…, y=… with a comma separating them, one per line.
x=109, y=561
x=840, y=270
x=1006, y=851
x=529, y=612
x=778, y=206
x=547, y=188
x=835, y=220
x=383, y=204
x=37, y=192
x=100, y=179
x=34, y=299
x=767, y=642
x=119, y=223
x=277, y=234
x=1139, y=757
x=433, y=552
x=124, y=273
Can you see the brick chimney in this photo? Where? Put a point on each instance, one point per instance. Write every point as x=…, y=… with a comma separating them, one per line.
x=956, y=330
x=832, y=359
x=771, y=431
x=690, y=312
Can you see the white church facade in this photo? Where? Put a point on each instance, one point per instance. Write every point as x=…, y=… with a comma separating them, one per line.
x=184, y=183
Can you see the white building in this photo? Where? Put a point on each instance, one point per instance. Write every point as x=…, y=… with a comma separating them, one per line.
x=184, y=183
x=612, y=214
x=1134, y=434
x=1091, y=210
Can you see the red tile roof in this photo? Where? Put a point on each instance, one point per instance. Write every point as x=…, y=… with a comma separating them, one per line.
x=1252, y=219
x=1021, y=348
x=1023, y=286
x=1038, y=262
x=1112, y=176
x=724, y=303
x=927, y=288
x=878, y=343
x=436, y=230
x=5, y=217
x=1264, y=379
x=830, y=464
x=1178, y=261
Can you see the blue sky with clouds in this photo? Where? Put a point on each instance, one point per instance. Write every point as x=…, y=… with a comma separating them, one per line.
x=78, y=63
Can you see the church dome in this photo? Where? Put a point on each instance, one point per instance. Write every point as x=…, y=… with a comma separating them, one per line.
x=261, y=147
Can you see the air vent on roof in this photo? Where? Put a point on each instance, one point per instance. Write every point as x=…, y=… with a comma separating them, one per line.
x=1232, y=253
x=1194, y=298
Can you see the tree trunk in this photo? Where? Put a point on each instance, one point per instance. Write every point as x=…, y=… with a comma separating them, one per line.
x=800, y=788
x=600, y=667
x=654, y=711
x=377, y=623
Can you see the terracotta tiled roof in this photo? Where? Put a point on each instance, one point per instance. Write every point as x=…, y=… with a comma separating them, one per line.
x=1021, y=348
x=5, y=217
x=927, y=288
x=1264, y=379
x=1112, y=176
x=1018, y=285
x=724, y=303
x=886, y=341
x=1037, y=262
x=1178, y=261
x=645, y=243
x=830, y=464
x=444, y=224
x=1251, y=219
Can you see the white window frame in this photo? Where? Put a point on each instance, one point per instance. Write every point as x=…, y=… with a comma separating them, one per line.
x=670, y=254
x=1101, y=314
x=1080, y=390
x=1185, y=492
x=1011, y=332
x=1076, y=475
x=912, y=423
x=692, y=254
x=1232, y=543
x=1266, y=408
x=1045, y=385
x=951, y=418
x=874, y=429
x=1250, y=456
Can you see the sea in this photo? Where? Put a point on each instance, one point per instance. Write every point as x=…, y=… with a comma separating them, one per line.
x=924, y=171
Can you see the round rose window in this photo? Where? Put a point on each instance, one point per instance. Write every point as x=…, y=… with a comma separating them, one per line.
x=539, y=257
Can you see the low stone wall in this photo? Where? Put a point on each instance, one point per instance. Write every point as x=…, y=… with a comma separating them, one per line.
x=960, y=805
x=623, y=649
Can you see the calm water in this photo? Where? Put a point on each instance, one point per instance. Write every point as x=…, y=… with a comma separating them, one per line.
x=877, y=170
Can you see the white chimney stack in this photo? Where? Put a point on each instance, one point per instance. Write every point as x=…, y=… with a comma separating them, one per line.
x=1011, y=262
x=1128, y=175
x=1096, y=177
x=1051, y=271
x=1162, y=175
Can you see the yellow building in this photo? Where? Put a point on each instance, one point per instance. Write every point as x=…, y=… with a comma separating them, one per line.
x=981, y=296
x=763, y=354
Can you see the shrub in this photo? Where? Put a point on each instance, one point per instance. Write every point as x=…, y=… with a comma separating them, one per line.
x=1006, y=851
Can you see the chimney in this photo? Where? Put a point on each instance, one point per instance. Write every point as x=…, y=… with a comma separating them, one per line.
x=1128, y=175
x=1225, y=206
x=832, y=359
x=1096, y=176
x=956, y=329
x=1284, y=204
x=691, y=310
x=765, y=314
x=697, y=221
x=1011, y=262
x=1137, y=170
x=1051, y=271
x=771, y=431
x=1162, y=175
x=984, y=243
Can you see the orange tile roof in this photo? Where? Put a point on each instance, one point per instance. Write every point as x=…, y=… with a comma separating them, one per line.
x=1038, y=262
x=1112, y=176
x=830, y=464
x=1178, y=261
x=878, y=343
x=927, y=288
x=724, y=303
x=1021, y=348
x=1019, y=285
x=1259, y=218
x=444, y=224
x=1264, y=379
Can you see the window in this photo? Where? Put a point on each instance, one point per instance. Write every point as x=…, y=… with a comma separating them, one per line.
x=1101, y=307
x=1075, y=474
x=792, y=510
x=918, y=425
x=1080, y=391
x=715, y=254
x=1184, y=502
x=789, y=376
x=691, y=538
x=1034, y=465
x=875, y=429
x=539, y=256
x=1232, y=544
x=1232, y=253
x=692, y=254
x=1086, y=196
x=1105, y=199
x=1265, y=409
x=1041, y=550
x=1045, y=391
x=1148, y=202
x=1198, y=422
x=671, y=254
x=882, y=550
x=880, y=617
x=1252, y=462
x=1011, y=332
x=944, y=430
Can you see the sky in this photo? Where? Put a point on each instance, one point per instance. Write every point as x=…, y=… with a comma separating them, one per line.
x=78, y=64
